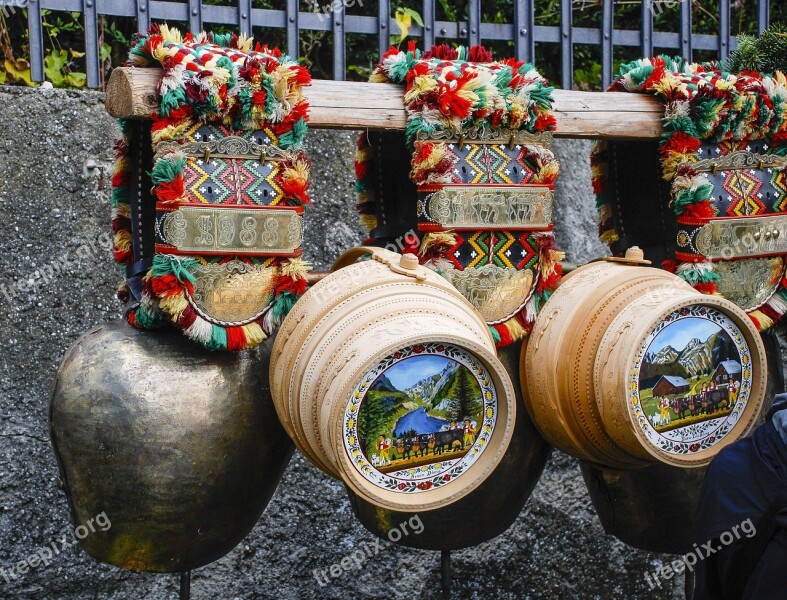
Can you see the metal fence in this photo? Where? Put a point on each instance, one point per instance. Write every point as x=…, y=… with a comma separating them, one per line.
x=522, y=29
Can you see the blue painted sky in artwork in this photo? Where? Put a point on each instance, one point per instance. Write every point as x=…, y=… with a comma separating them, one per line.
x=680, y=333
x=410, y=371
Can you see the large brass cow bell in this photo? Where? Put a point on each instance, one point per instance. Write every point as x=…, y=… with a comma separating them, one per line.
x=178, y=446
x=487, y=511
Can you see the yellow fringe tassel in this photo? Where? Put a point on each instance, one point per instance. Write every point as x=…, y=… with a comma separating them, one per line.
x=295, y=268
x=369, y=222
x=763, y=321
x=122, y=240
x=122, y=210
x=609, y=237
x=435, y=239
x=174, y=305
x=254, y=335
x=515, y=329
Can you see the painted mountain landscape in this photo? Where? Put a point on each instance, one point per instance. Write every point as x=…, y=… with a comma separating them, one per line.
x=690, y=373
x=420, y=410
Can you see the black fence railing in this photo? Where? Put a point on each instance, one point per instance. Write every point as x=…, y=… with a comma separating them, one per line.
x=522, y=30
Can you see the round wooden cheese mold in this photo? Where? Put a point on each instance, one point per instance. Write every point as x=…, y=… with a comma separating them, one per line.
x=387, y=378
x=629, y=365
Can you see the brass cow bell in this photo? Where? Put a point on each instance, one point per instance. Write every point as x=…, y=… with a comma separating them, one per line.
x=178, y=446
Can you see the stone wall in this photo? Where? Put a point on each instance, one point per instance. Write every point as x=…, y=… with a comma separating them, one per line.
x=58, y=280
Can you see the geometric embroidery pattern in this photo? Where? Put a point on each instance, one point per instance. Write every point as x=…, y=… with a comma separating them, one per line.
x=490, y=163
x=231, y=180
x=506, y=249
x=779, y=184
x=743, y=187
x=744, y=192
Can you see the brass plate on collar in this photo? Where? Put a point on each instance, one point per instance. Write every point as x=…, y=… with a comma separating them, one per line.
x=496, y=292
x=749, y=283
x=739, y=238
x=233, y=230
x=232, y=293
x=488, y=135
x=475, y=207
x=231, y=146
x=740, y=159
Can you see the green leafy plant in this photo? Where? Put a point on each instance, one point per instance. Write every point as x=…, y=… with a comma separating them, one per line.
x=404, y=19
x=57, y=70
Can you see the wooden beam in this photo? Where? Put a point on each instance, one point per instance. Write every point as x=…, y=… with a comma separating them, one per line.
x=131, y=93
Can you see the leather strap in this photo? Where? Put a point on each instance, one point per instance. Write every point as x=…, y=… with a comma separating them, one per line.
x=353, y=254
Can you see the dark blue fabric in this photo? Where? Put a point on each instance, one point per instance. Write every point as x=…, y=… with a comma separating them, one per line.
x=743, y=483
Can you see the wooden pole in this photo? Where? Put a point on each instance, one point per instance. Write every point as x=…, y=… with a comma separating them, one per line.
x=131, y=93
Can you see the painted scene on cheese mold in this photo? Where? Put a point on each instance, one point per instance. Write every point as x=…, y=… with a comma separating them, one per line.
x=691, y=373
x=420, y=410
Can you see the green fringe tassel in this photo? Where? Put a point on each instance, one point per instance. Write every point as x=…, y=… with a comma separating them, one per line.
x=179, y=267
x=218, y=339
x=282, y=305
x=295, y=135
x=691, y=196
x=167, y=170
x=695, y=276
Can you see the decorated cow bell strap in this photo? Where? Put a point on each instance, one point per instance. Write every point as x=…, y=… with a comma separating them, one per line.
x=209, y=200
x=481, y=185
x=720, y=207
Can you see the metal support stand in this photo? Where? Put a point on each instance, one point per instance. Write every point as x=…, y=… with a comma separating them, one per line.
x=689, y=585
x=185, y=585
x=445, y=573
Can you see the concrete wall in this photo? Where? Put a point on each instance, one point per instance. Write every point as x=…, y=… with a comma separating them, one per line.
x=51, y=208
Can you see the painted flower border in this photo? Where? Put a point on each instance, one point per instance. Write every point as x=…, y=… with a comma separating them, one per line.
x=434, y=475
x=705, y=434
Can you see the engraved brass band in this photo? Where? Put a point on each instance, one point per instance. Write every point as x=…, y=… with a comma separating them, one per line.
x=725, y=239
x=232, y=293
x=486, y=207
x=230, y=146
x=230, y=230
x=498, y=293
x=487, y=135
x=750, y=282
x=740, y=159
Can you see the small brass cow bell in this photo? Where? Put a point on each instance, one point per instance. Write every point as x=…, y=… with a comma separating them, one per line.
x=486, y=512
x=178, y=446
x=651, y=508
